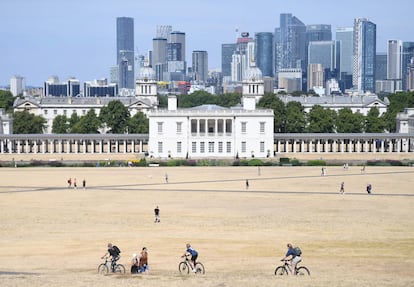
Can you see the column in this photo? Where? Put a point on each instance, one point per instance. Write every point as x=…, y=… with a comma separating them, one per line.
x=342, y=146
x=84, y=145
x=278, y=146
x=125, y=146
x=18, y=146
x=318, y=146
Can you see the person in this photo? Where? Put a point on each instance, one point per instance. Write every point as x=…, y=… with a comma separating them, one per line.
x=194, y=254
x=166, y=178
x=69, y=183
x=293, y=256
x=342, y=189
x=84, y=184
x=247, y=184
x=157, y=214
x=134, y=264
x=369, y=188
x=75, y=186
x=143, y=261
x=113, y=251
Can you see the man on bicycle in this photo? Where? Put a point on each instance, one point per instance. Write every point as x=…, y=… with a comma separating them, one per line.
x=194, y=254
x=296, y=258
x=113, y=252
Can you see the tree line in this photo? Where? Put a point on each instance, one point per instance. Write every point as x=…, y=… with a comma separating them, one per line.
x=288, y=118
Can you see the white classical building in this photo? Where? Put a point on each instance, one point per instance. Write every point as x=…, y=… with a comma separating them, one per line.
x=6, y=123
x=357, y=103
x=211, y=131
x=405, y=121
x=49, y=107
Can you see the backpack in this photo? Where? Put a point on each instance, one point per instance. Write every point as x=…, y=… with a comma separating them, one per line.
x=117, y=249
x=297, y=250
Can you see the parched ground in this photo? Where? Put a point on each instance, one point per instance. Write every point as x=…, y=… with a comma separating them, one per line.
x=51, y=235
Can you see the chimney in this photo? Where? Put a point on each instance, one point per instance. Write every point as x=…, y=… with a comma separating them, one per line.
x=172, y=103
x=249, y=102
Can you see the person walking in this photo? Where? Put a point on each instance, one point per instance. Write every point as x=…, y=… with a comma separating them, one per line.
x=84, y=184
x=75, y=186
x=247, y=184
x=342, y=188
x=369, y=188
x=157, y=214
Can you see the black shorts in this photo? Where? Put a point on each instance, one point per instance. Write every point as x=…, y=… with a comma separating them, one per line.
x=194, y=257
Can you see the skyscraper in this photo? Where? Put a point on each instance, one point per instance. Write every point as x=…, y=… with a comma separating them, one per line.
x=264, y=53
x=17, y=85
x=227, y=51
x=345, y=35
x=325, y=53
x=394, y=59
x=200, y=66
x=125, y=52
x=408, y=55
x=365, y=38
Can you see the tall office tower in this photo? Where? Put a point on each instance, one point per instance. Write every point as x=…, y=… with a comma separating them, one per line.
x=327, y=54
x=125, y=52
x=381, y=66
x=264, y=53
x=394, y=63
x=17, y=85
x=159, y=56
x=408, y=54
x=315, y=76
x=200, y=66
x=365, y=38
x=410, y=76
x=227, y=51
x=177, y=37
x=290, y=43
x=345, y=36
x=318, y=32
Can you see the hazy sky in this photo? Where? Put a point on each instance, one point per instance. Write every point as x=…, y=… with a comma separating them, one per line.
x=40, y=38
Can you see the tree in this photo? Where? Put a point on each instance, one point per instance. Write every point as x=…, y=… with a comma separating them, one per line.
x=74, y=118
x=321, y=120
x=398, y=102
x=138, y=124
x=271, y=101
x=374, y=123
x=349, y=122
x=295, y=117
x=27, y=123
x=115, y=116
x=87, y=124
x=6, y=100
x=60, y=125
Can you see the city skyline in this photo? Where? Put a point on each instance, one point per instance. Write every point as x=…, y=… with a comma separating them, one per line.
x=78, y=38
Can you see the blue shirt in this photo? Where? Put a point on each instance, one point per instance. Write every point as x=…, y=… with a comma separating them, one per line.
x=192, y=251
x=292, y=252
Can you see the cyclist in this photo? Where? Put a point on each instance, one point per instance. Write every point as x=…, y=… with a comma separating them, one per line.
x=294, y=257
x=194, y=254
x=113, y=252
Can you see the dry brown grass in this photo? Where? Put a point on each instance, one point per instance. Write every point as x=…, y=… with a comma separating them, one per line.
x=53, y=236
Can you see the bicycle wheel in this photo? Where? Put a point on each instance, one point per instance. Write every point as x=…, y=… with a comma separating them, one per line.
x=119, y=268
x=280, y=271
x=103, y=269
x=199, y=268
x=302, y=271
x=183, y=268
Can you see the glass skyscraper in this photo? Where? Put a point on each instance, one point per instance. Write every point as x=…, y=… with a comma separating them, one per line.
x=200, y=66
x=227, y=51
x=264, y=53
x=365, y=38
x=125, y=52
x=408, y=54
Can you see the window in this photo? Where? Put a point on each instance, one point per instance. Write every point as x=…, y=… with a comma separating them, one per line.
x=210, y=147
x=202, y=124
x=65, y=112
x=262, y=127
x=193, y=126
x=262, y=146
x=179, y=147
x=220, y=126
x=45, y=112
x=159, y=147
x=193, y=147
x=211, y=126
x=220, y=147
x=159, y=127
x=179, y=126
x=202, y=148
x=228, y=126
x=243, y=147
x=55, y=112
x=228, y=147
x=243, y=127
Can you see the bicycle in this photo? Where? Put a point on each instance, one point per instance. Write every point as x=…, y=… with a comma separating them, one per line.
x=286, y=268
x=104, y=268
x=185, y=266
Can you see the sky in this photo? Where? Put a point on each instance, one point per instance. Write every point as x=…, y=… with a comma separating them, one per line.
x=77, y=38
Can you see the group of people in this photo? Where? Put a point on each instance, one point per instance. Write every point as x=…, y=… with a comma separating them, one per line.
x=342, y=188
x=139, y=262
x=75, y=185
